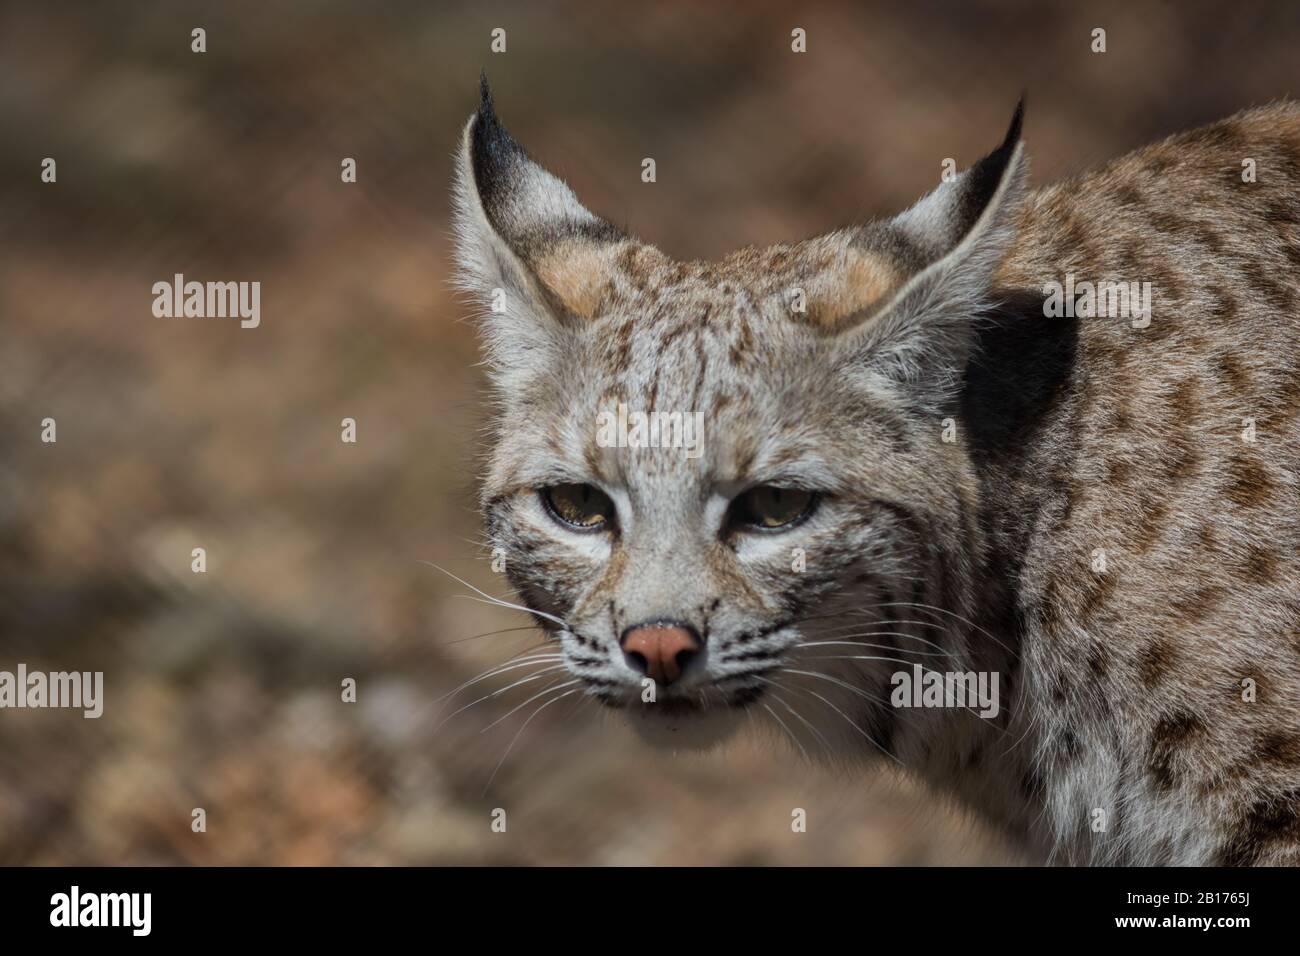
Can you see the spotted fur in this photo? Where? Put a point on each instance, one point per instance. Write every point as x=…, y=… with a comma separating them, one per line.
x=1100, y=532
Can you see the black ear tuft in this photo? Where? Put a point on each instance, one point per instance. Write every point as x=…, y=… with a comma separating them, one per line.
x=985, y=176
x=1013, y=134
x=493, y=151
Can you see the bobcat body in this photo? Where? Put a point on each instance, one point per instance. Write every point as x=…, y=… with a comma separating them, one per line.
x=910, y=465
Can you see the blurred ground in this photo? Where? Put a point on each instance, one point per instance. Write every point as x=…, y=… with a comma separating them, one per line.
x=223, y=688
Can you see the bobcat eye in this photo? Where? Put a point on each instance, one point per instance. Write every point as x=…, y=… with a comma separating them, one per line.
x=581, y=507
x=768, y=508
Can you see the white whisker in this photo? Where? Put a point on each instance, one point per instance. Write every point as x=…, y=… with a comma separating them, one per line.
x=793, y=739
x=496, y=600
x=541, y=693
x=497, y=693
x=507, y=665
x=520, y=732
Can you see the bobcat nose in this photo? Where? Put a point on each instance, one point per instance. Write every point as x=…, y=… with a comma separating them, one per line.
x=660, y=650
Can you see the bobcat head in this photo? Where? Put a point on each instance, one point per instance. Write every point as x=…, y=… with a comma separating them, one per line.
x=684, y=586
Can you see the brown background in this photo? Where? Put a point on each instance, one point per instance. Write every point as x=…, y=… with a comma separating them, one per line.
x=223, y=688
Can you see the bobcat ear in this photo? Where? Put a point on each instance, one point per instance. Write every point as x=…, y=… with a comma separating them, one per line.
x=533, y=256
x=953, y=240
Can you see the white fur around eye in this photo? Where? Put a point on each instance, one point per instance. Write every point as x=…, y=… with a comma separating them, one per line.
x=715, y=512
x=776, y=545
x=593, y=544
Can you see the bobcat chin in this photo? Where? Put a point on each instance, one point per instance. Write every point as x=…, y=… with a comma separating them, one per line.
x=683, y=728
x=909, y=454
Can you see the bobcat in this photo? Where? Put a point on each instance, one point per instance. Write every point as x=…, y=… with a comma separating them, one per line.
x=911, y=466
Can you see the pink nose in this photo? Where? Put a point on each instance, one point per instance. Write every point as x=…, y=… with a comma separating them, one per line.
x=660, y=651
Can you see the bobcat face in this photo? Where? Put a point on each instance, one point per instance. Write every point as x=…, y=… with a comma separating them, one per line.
x=685, y=572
